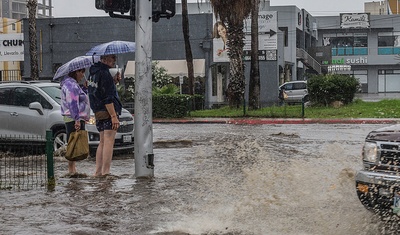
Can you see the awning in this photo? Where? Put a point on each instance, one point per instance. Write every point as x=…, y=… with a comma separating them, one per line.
x=174, y=68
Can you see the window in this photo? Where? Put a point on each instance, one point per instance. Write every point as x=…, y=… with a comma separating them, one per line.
x=288, y=86
x=388, y=80
x=54, y=93
x=24, y=96
x=299, y=86
x=5, y=96
x=388, y=43
x=347, y=43
x=360, y=41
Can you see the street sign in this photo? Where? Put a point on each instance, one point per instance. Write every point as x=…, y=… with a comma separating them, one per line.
x=267, y=28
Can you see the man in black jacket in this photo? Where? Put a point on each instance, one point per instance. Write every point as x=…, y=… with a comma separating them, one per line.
x=105, y=103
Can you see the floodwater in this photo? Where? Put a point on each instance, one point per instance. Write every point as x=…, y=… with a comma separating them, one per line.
x=214, y=179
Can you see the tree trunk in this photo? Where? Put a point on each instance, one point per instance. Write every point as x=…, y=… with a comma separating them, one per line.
x=254, y=84
x=188, y=49
x=32, y=5
x=236, y=86
x=233, y=13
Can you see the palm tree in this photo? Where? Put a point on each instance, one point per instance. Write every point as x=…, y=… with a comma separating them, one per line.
x=188, y=48
x=32, y=5
x=233, y=13
x=254, y=85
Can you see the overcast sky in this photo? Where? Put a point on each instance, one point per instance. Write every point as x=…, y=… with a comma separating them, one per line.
x=81, y=8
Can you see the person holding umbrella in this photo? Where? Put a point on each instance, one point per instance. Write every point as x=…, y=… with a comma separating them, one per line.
x=106, y=106
x=104, y=99
x=75, y=107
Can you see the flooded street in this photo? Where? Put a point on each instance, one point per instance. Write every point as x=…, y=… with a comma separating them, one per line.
x=215, y=179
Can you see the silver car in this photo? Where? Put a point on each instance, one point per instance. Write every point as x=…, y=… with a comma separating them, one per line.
x=29, y=108
x=296, y=91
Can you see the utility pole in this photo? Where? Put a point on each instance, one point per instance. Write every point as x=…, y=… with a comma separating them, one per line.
x=144, y=13
x=144, y=157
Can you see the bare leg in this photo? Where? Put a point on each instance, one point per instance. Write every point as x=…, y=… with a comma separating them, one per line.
x=71, y=167
x=108, y=147
x=99, y=155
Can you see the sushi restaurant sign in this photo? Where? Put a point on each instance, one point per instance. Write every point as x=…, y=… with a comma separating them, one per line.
x=12, y=47
x=358, y=60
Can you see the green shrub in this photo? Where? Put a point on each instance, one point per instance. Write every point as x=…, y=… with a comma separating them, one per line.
x=167, y=89
x=170, y=105
x=325, y=89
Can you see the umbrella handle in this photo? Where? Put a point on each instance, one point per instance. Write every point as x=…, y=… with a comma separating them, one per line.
x=93, y=57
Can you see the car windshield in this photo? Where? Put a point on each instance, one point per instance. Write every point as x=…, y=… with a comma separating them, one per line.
x=54, y=92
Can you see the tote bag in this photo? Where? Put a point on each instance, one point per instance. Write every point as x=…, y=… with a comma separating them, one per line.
x=78, y=146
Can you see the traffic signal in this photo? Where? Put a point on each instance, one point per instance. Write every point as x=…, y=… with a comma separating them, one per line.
x=122, y=6
x=160, y=8
x=164, y=8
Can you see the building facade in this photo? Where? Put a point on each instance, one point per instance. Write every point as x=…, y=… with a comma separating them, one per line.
x=366, y=46
x=12, y=38
x=11, y=49
x=16, y=9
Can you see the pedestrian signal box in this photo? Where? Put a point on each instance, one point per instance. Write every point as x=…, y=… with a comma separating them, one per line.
x=122, y=6
x=160, y=8
x=163, y=8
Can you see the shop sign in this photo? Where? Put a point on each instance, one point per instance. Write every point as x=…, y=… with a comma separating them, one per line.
x=12, y=47
x=360, y=60
x=267, y=31
x=354, y=20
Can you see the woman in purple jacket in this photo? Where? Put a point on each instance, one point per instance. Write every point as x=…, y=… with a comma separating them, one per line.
x=75, y=106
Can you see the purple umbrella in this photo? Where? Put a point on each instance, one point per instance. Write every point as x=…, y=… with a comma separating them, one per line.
x=77, y=63
x=112, y=48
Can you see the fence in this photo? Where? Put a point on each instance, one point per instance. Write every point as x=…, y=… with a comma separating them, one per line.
x=10, y=75
x=25, y=166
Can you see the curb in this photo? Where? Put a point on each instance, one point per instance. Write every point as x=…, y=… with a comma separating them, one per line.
x=262, y=121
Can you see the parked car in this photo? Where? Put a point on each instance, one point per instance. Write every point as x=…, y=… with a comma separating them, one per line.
x=378, y=183
x=296, y=91
x=29, y=108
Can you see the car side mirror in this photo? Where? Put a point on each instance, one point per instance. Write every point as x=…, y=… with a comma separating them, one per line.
x=36, y=106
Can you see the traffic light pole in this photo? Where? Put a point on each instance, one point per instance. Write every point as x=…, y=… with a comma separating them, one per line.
x=144, y=157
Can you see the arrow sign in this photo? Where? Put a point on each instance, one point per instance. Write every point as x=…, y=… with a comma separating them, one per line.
x=271, y=33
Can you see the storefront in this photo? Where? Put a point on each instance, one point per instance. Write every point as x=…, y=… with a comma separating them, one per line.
x=363, y=45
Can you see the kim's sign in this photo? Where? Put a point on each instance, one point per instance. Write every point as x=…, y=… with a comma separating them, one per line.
x=354, y=20
x=12, y=47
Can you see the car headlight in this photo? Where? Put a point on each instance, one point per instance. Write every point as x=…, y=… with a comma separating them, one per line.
x=369, y=152
x=92, y=120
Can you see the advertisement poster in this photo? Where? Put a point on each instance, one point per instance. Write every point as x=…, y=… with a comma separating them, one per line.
x=220, y=37
x=12, y=47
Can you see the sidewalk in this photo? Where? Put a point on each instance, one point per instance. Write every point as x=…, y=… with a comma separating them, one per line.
x=369, y=97
x=261, y=121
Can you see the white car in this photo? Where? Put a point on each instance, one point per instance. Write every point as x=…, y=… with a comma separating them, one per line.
x=29, y=108
x=296, y=91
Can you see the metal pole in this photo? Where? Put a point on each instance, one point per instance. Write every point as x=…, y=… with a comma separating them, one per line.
x=50, y=162
x=144, y=165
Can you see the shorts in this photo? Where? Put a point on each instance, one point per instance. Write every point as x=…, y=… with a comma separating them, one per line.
x=105, y=124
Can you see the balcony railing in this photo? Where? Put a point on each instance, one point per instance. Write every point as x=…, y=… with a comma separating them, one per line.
x=308, y=60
